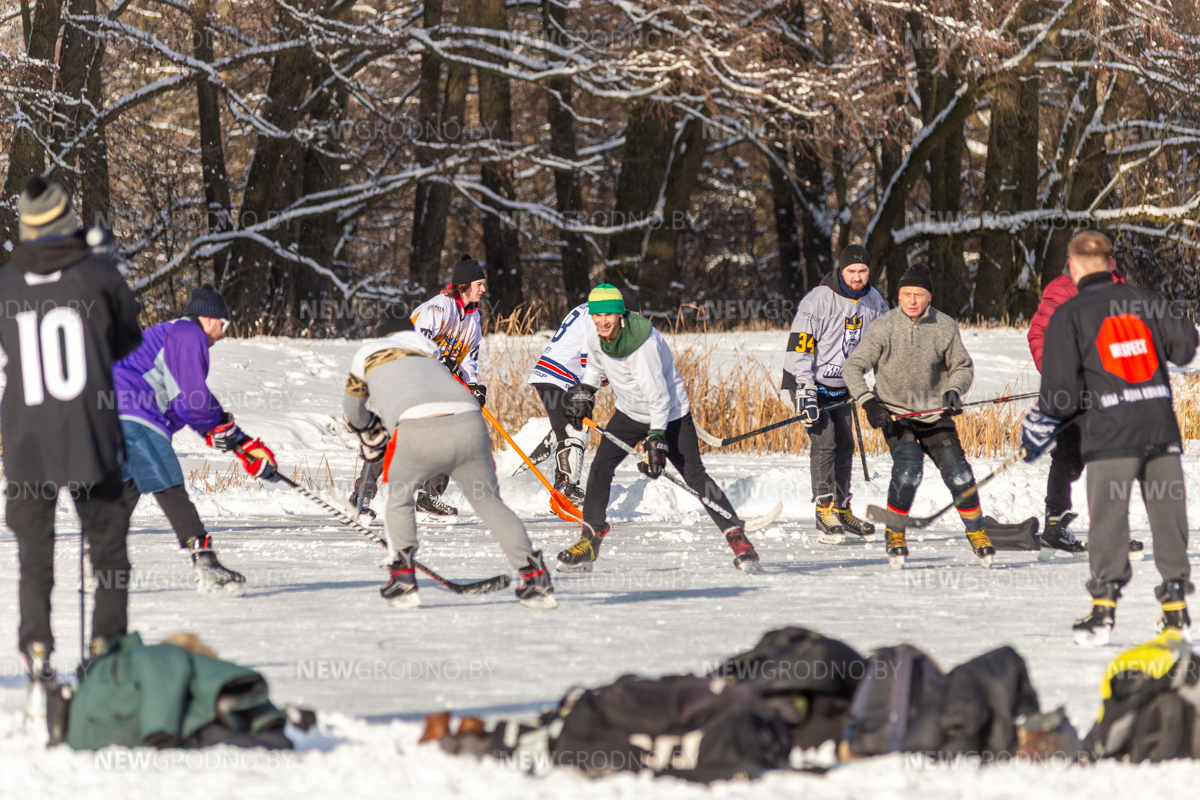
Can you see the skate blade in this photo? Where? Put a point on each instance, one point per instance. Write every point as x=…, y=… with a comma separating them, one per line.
x=425, y=518
x=584, y=566
x=896, y=562
x=831, y=538
x=750, y=566
x=235, y=589
x=35, y=713
x=406, y=601
x=542, y=601
x=985, y=561
x=869, y=537
x=1094, y=638
x=206, y=588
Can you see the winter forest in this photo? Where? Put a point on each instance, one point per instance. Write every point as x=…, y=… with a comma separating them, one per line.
x=317, y=158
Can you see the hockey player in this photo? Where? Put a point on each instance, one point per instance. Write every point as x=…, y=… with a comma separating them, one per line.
x=429, y=424
x=919, y=362
x=69, y=315
x=652, y=405
x=829, y=324
x=162, y=387
x=1106, y=357
x=451, y=321
x=1066, y=460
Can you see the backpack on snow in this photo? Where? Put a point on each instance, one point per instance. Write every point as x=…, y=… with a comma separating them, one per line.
x=897, y=706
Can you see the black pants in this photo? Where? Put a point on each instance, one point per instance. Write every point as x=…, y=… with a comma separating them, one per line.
x=178, y=507
x=1066, y=465
x=909, y=443
x=683, y=452
x=831, y=450
x=554, y=398
x=104, y=515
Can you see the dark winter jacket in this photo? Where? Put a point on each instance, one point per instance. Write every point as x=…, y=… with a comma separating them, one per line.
x=1107, y=354
x=58, y=418
x=1057, y=292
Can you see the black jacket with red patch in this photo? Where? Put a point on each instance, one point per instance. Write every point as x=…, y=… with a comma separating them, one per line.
x=1106, y=353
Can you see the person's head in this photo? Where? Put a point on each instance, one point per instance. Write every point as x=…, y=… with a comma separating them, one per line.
x=855, y=267
x=606, y=304
x=1089, y=252
x=468, y=281
x=915, y=291
x=44, y=209
x=210, y=311
x=393, y=319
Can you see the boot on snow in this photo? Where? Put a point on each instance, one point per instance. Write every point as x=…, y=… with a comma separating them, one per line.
x=535, y=589
x=210, y=574
x=435, y=511
x=40, y=682
x=1057, y=536
x=401, y=589
x=1173, y=596
x=829, y=524
x=897, y=548
x=745, y=557
x=852, y=524
x=1095, y=628
x=982, y=545
x=580, y=556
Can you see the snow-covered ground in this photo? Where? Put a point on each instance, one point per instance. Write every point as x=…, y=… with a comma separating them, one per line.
x=663, y=599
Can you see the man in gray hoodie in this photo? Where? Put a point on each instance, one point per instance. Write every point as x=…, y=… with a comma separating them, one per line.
x=920, y=363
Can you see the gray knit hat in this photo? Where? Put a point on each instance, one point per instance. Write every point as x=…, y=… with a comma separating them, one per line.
x=45, y=210
x=207, y=302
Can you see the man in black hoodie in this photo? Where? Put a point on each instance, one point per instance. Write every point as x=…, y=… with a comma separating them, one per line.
x=1106, y=359
x=68, y=315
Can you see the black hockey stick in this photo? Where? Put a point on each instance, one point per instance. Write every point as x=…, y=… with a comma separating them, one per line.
x=862, y=449
x=898, y=521
x=474, y=587
x=713, y=441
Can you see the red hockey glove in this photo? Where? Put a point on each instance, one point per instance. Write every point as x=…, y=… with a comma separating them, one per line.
x=226, y=436
x=258, y=460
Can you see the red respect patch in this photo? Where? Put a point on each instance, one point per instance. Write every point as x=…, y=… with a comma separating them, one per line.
x=1127, y=348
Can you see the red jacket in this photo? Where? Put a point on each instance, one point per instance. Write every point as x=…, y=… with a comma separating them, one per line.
x=1057, y=292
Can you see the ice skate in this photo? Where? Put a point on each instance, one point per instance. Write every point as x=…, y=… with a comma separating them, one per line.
x=982, y=546
x=745, y=557
x=535, y=589
x=435, y=511
x=829, y=525
x=1095, y=628
x=580, y=556
x=854, y=525
x=210, y=575
x=1057, y=537
x=401, y=589
x=897, y=548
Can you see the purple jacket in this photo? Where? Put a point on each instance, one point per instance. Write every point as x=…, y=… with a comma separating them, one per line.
x=163, y=383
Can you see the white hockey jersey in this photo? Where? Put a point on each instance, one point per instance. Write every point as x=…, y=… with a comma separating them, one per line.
x=563, y=361
x=455, y=330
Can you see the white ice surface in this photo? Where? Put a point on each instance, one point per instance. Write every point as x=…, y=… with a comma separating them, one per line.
x=663, y=599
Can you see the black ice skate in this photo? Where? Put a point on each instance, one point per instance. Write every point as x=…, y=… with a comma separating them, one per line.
x=435, y=511
x=829, y=525
x=852, y=524
x=401, y=589
x=40, y=683
x=366, y=508
x=1173, y=596
x=1095, y=628
x=210, y=575
x=535, y=589
x=563, y=484
x=744, y=556
x=580, y=556
x=1057, y=536
x=897, y=548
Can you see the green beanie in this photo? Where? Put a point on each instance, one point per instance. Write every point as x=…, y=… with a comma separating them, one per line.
x=606, y=299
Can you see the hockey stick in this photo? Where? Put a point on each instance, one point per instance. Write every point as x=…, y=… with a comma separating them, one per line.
x=995, y=401
x=897, y=521
x=475, y=587
x=539, y=454
x=713, y=441
x=862, y=449
x=749, y=525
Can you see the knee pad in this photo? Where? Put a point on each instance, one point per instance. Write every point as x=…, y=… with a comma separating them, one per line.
x=956, y=472
x=907, y=464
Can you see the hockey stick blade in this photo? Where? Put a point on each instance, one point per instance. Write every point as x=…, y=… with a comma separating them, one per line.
x=706, y=437
x=758, y=523
x=476, y=587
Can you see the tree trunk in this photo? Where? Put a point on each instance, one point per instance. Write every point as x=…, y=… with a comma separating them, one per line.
x=787, y=234
x=212, y=148
x=644, y=158
x=429, y=227
x=810, y=174
x=576, y=260
x=80, y=79
x=501, y=237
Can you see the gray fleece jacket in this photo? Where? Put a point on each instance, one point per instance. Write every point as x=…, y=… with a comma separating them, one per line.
x=915, y=362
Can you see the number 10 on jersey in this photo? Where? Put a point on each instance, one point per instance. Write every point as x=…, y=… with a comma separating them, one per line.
x=52, y=355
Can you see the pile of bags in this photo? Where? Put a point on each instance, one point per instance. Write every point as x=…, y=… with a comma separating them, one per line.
x=800, y=700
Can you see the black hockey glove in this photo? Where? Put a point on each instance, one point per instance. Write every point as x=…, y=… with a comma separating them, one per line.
x=952, y=403
x=374, y=438
x=226, y=436
x=1037, y=434
x=877, y=414
x=805, y=402
x=451, y=363
x=656, y=455
x=480, y=392
x=578, y=404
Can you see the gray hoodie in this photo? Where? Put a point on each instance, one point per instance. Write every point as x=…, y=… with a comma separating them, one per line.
x=915, y=362
x=827, y=328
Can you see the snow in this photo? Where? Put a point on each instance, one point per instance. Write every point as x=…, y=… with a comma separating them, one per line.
x=664, y=598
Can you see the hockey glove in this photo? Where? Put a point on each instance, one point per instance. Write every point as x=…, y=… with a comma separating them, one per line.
x=578, y=404
x=480, y=392
x=374, y=438
x=877, y=414
x=258, y=460
x=805, y=402
x=952, y=403
x=451, y=363
x=656, y=455
x=1037, y=434
x=226, y=436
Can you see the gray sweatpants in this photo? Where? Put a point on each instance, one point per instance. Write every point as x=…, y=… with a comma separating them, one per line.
x=457, y=445
x=1109, y=485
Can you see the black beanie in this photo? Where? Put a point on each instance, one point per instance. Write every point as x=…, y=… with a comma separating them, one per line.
x=916, y=275
x=854, y=254
x=393, y=319
x=207, y=302
x=467, y=270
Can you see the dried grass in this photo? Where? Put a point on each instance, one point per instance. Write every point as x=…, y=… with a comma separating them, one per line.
x=213, y=479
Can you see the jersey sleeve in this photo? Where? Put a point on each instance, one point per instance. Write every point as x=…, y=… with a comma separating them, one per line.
x=185, y=358
x=429, y=320
x=800, y=360
x=469, y=366
x=1061, y=392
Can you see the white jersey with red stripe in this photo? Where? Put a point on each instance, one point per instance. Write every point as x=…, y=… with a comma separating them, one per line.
x=455, y=330
x=563, y=361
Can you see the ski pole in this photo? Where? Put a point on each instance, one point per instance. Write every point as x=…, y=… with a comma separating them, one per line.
x=713, y=441
x=994, y=401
